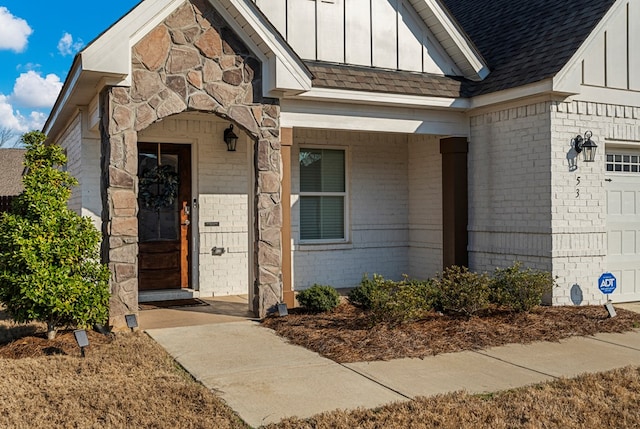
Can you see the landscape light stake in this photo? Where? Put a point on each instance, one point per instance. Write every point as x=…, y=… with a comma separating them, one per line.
x=132, y=321
x=82, y=339
x=282, y=309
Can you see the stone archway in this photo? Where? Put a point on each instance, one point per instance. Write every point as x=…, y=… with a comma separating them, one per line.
x=192, y=61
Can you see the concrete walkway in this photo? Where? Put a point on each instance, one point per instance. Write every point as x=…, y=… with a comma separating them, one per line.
x=265, y=379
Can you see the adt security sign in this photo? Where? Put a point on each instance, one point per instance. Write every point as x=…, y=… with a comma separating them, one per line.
x=607, y=283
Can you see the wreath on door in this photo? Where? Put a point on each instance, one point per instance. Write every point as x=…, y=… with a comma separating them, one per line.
x=163, y=179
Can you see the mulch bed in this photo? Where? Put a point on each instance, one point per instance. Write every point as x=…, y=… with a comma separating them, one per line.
x=347, y=334
x=37, y=345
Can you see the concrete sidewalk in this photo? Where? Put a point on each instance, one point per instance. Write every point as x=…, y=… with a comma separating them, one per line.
x=265, y=379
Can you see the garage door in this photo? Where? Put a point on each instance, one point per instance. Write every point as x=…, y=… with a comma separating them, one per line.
x=623, y=223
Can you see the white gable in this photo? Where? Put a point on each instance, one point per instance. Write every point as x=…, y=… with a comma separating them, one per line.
x=609, y=59
x=394, y=34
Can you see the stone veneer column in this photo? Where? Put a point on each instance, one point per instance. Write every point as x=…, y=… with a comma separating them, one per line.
x=190, y=62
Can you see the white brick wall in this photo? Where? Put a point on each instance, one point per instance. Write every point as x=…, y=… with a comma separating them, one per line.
x=526, y=203
x=83, y=155
x=71, y=142
x=379, y=206
x=221, y=186
x=425, y=206
x=579, y=218
x=510, y=188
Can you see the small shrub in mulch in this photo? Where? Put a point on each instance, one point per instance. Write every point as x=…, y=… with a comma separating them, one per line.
x=520, y=289
x=319, y=298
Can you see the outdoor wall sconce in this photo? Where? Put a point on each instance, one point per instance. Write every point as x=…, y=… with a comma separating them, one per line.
x=586, y=146
x=230, y=138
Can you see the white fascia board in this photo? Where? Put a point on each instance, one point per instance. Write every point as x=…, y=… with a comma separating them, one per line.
x=350, y=117
x=598, y=94
x=544, y=87
x=569, y=78
x=64, y=96
x=384, y=99
x=460, y=40
x=287, y=72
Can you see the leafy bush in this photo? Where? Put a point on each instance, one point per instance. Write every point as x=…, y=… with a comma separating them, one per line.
x=319, y=298
x=520, y=290
x=461, y=291
x=361, y=295
x=49, y=255
x=401, y=302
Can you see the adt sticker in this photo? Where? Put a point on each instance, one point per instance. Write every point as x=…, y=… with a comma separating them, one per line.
x=607, y=283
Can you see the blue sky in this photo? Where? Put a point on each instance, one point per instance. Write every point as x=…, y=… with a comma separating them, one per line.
x=38, y=41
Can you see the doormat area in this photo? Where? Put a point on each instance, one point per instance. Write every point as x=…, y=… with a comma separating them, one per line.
x=172, y=303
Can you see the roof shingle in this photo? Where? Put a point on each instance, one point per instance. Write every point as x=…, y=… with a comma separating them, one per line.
x=11, y=169
x=357, y=78
x=525, y=41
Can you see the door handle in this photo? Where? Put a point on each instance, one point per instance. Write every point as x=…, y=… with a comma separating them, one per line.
x=187, y=222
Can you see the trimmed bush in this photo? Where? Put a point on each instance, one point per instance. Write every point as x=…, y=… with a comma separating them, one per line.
x=401, y=302
x=520, y=289
x=460, y=291
x=361, y=296
x=319, y=298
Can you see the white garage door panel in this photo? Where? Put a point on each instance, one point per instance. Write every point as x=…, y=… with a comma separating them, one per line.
x=623, y=234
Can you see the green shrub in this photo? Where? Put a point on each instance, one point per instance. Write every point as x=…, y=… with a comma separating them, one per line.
x=49, y=255
x=319, y=298
x=401, y=302
x=520, y=290
x=361, y=295
x=461, y=291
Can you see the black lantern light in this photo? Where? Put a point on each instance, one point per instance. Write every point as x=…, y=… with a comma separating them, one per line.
x=586, y=146
x=230, y=138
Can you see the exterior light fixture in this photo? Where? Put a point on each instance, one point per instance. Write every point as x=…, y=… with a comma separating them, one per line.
x=282, y=309
x=230, y=138
x=82, y=339
x=586, y=146
x=132, y=321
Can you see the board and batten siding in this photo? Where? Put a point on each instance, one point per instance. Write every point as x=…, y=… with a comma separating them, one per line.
x=612, y=60
x=374, y=33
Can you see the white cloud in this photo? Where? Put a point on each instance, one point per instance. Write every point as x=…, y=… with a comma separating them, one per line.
x=14, y=31
x=66, y=45
x=32, y=90
x=17, y=122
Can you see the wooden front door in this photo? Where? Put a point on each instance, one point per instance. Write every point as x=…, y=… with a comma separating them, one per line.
x=164, y=195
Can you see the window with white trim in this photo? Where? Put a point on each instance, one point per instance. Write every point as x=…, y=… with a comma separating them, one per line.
x=622, y=163
x=323, y=194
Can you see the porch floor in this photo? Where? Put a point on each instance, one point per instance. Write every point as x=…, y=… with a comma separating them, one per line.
x=222, y=309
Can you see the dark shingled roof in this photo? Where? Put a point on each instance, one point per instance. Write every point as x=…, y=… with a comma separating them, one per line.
x=525, y=41
x=11, y=168
x=357, y=78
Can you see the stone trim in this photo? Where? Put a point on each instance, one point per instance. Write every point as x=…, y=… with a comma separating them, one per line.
x=192, y=61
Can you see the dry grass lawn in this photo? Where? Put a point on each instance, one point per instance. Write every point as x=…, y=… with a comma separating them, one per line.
x=607, y=400
x=128, y=381
x=125, y=381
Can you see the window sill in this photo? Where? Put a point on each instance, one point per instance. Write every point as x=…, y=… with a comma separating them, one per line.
x=314, y=247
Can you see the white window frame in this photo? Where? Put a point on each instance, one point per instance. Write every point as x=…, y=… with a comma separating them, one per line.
x=344, y=194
